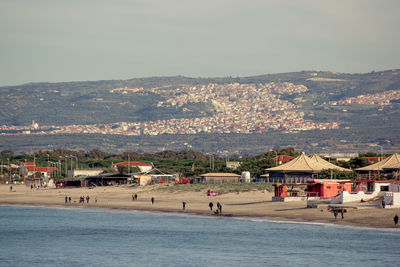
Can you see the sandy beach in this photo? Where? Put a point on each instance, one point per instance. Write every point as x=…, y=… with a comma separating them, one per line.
x=255, y=204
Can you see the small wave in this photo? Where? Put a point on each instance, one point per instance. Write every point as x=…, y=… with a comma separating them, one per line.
x=322, y=224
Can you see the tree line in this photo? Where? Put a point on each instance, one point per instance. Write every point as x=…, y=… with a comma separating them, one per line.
x=187, y=163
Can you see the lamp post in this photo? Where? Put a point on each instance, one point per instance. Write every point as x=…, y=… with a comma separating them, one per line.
x=276, y=157
x=9, y=170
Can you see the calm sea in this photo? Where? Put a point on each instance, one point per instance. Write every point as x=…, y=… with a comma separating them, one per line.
x=41, y=236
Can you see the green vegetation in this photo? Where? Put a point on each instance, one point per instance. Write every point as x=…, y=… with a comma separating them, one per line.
x=185, y=163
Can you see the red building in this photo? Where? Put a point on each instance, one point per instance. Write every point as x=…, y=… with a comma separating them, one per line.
x=282, y=159
x=325, y=188
x=30, y=168
x=322, y=188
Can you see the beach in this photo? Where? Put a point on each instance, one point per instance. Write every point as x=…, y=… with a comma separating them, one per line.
x=256, y=204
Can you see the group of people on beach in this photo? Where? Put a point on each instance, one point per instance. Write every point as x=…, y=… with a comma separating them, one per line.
x=219, y=207
x=34, y=186
x=82, y=199
x=68, y=199
x=135, y=197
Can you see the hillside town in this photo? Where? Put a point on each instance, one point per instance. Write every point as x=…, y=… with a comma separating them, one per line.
x=383, y=98
x=237, y=108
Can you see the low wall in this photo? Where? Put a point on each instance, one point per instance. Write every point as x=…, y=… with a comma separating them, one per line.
x=288, y=199
x=345, y=197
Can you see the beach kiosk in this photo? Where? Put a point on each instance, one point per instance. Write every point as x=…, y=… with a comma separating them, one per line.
x=300, y=172
x=380, y=170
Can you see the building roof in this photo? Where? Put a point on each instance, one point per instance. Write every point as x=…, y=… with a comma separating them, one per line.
x=284, y=158
x=31, y=167
x=329, y=181
x=392, y=166
x=390, y=161
x=303, y=163
x=328, y=165
x=132, y=163
x=40, y=169
x=220, y=174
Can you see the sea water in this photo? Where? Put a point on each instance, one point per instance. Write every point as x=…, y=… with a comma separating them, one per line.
x=42, y=236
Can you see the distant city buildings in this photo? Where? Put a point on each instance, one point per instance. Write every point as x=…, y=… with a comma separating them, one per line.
x=238, y=108
x=383, y=98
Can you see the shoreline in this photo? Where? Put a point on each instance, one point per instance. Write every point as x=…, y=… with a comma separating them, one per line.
x=248, y=205
x=250, y=218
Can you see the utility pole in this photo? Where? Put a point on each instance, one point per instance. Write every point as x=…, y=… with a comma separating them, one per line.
x=48, y=163
x=9, y=170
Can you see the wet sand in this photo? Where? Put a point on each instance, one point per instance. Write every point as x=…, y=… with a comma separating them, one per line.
x=256, y=204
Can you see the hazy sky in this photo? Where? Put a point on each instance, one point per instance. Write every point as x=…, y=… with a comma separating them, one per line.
x=71, y=40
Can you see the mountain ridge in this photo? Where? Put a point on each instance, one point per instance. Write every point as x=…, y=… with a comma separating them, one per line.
x=324, y=101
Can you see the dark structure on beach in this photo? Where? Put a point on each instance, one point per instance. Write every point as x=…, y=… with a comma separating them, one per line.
x=99, y=180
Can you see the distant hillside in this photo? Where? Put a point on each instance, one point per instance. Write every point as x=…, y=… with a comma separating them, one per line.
x=331, y=97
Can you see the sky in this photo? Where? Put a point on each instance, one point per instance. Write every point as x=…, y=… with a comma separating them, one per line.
x=83, y=40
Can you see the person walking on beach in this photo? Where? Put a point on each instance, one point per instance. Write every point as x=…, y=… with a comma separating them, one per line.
x=383, y=203
x=183, y=205
x=69, y=199
x=152, y=200
x=211, y=205
x=342, y=213
x=219, y=206
x=335, y=213
x=87, y=199
x=66, y=199
x=133, y=196
x=396, y=220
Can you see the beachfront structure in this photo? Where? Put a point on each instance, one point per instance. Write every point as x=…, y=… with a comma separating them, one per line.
x=143, y=167
x=340, y=156
x=218, y=178
x=381, y=169
x=300, y=170
x=97, y=180
x=84, y=172
x=393, y=170
x=313, y=189
x=364, y=190
x=288, y=192
x=154, y=176
x=326, y=188
x=29, y=169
